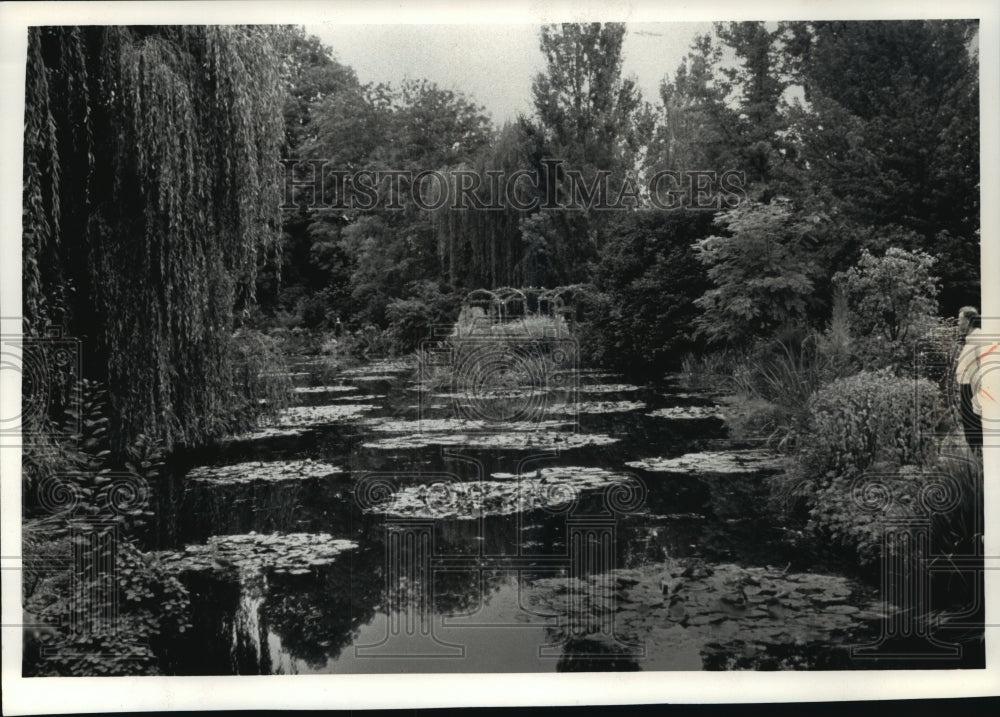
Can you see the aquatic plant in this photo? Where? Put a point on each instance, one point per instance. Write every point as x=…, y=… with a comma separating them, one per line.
x=269, y=472
x=294, y=553
x=712, y=462
x=688, y=412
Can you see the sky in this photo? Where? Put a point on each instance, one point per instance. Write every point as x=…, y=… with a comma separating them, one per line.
x=493, y=64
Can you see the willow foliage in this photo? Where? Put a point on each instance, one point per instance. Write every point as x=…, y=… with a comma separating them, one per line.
x=151, y=193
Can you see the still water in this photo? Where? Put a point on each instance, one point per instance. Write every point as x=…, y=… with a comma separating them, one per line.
x=388, y=527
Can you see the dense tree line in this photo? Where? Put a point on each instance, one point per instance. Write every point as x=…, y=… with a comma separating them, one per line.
x=155, y=228
x=850, y=136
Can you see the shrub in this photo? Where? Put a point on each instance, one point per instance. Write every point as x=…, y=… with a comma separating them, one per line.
x=870, y=417
x=152, y=605
x=153, y=609
x=956, y=479
x=411, y=319
x=892, y=301
x=837, y=512
x=373, y=342
x=872, y=422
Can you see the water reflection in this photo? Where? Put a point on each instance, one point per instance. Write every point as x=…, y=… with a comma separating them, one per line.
x=529, y=590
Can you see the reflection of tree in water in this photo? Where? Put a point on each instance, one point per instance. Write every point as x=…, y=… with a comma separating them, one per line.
x=740, y=655
x=463, y=591
x=239, y=509
x=318, y=615
x=593, y=655
x=250, y=652
x=225, y=638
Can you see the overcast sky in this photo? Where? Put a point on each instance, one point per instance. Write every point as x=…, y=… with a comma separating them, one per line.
x=494, y=64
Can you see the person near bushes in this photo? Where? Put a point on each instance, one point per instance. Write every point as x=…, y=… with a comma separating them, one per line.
x=967, y=375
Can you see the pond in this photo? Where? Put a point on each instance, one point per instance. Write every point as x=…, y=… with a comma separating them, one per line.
x=388, y=525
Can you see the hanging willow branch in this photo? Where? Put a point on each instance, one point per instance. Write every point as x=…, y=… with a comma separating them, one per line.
x=183, y=127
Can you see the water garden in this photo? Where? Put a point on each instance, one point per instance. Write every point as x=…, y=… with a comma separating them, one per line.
x=267, y=435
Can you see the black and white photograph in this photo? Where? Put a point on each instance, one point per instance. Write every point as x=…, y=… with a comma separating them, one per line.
x=498, y=347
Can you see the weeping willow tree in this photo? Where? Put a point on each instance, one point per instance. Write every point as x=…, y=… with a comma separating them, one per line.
x=151, y=195
x=486, y=247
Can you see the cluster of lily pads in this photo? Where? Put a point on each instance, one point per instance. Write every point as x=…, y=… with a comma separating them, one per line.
x=293, y=553
x=269, y=472
x=387, y=366
x=590, y=373
x=699, y=604
x=547, y=488
x=688, y=412
x=324, y=389
x=434, y=425
x=320, y=415
x=595, y=407
x=514, y=440
x=713, y=462
x=487, y=394
x=607, y=388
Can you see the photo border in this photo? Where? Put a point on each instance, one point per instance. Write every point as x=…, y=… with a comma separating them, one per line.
x=83, y=694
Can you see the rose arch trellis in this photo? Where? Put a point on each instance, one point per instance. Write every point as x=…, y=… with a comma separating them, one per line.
x=509, y=303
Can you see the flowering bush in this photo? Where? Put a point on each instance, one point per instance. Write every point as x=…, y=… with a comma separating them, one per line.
x=870, y=417
x=892, y=301
x=872, y=422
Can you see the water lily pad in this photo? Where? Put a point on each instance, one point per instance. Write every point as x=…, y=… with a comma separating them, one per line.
x=324, y=389
x=250, y=472
x=688, y=412
x=519, y=441
x=282, y=552
x=596, y=407
x=320, y=415
x=389, y=366
x=434, y=425
x=359, y=398
x=607, y=388
x=712, y=462
x=264, y=433
x=494, y=394
x=710, y=607
x=547, y=488
x=600, y=476
x=841, y=610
